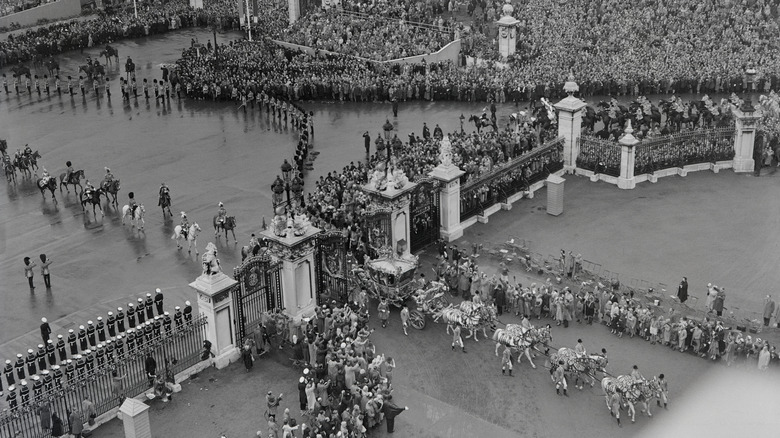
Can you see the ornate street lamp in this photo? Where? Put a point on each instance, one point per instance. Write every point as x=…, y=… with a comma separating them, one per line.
x=750, y=74
x=297, y=188
x=278, y=190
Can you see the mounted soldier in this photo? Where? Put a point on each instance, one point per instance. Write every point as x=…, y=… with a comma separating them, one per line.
x=108, y=179
x=221, y=216
x=88, y=189
x=185, y=225
x=68, y=171
x=132, y=203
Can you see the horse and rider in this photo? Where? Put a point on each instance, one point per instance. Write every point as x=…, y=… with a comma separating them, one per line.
x=164, y=200
x=221, y=216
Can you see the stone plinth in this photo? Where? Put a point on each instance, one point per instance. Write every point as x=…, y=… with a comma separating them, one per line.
x=570, y=128
x=626, y=179
x=745, y=138
x=507, y=35
x=396, y=201
x=296, y=253
x=555, y=194
x=449, y=200
x=215, y=301
x=135, y=418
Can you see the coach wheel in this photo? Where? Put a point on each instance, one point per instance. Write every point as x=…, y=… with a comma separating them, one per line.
x=417, y=319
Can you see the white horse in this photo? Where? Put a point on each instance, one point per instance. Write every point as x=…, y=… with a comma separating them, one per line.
x=137, y=218
x=514, y=336
x=192, y=236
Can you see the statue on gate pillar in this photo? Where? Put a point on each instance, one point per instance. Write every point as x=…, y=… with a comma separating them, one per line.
x=210, y=260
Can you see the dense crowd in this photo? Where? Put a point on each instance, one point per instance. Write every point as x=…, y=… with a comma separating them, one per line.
x=369, y=38
x=11, y=7
x=153, y=18
x=346, y=387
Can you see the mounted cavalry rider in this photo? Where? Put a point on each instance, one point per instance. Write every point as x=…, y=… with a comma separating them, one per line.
x=221, y=216
x=133, y=205
x=185, y=225
x=614, y=108
x=88, y=189
x=108, y=179
x=68, y=171
x=27, y=151
x=164, y=191
x=45, y=177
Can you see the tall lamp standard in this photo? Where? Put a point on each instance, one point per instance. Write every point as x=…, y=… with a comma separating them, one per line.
x=285, y=184
x=750, y=74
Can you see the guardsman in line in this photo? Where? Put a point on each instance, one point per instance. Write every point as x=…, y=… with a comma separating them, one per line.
x=16, y=84
x=11, y=398
x=100, y=355
x=134, y=87
x=37, y=388
x=130, y=316
x=91, y=333
x=81, y=366
x=149, y=306
x=62, y=352
x=24, y=393
x=108, y=88
x=70, y=86
x=57, y=374
x=82, y=86
x=48, y=380
x=37, y=86
x=100, y=328
x=28, y=84
x=158, y=301
x=140, y=311
x=82, y=338
x=130, y=341
x=187, y=312
x=70, y=370
x=120, y=321
x=40, y=357
x=19, y=366
x=46, y=84
x=73, y=342
x=120, y=346
x=178, y=318
x=8, y=370
x=57, y=85
x=145, y=87
x=51, y=352
x=110, y=353
x=89, y=360
x=167, y=323
x=30, y=361
x=111, y=323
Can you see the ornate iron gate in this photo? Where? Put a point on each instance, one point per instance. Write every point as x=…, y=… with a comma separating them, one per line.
x=332, y=267
x=424, y=215
x=376, y=231
x=259, y=290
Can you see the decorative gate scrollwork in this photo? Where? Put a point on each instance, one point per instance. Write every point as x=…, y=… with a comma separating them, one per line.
x=259, y=290
x=424, y=220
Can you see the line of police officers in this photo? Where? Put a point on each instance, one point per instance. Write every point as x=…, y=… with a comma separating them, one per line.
x=95, y=345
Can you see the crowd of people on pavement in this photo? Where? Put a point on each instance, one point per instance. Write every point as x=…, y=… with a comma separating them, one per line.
x=345, y=388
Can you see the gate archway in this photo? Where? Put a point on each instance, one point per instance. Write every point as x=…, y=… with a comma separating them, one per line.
x=332, y=267
x=259, y=290
x=424, y=220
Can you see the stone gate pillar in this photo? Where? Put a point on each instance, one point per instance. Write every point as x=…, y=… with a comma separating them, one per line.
x=745, y=136
x=570, y=124
x=627, y=158
x=397, y=202
x=449, y=196
x=296, y=253
x=294, y=9
x=215, y=302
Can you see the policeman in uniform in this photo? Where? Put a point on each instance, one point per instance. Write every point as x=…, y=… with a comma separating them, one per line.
x=140, y=310
x=91, y=333
x=130, y=316
x=120, y=320
x=72, y=342
x=30, y=361
x=61, y=350
x=82, y=338
x=158, y=301
x=100, y=328
x=111, y=323
x=187, y=312
x=149, y=306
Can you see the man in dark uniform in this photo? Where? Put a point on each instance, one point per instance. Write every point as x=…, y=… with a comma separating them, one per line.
x=48, y=380
x=100, y=355
x=130, y=316
x=167, y=323
x=148, y=332
x=73, y=342
x=45, y=330
x=40, y=357
x=426, y=132
x=37, y=388
x=111, y=323
x=187, y=312
x=120, y=321
x=395, y=107
x=82, y=338
x=70, y=369
x=24, y=393
x=109, y=351
x=139, y=337
x=46, y=84
x=178, y=318
x=100, y=328
x=120, y=345
x=81, y=365
x=140, y=311
x=367, y=142
x=57, y=375
x=89, y=360
x=149, y=306
x=8, y=370
x=158, y=301
x=11, y=398
x=30, y=361
x=61, y=351
x=51, y=352
x=91, y=333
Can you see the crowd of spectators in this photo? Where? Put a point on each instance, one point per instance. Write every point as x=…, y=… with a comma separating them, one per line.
x=370, y=37
x=154, y=17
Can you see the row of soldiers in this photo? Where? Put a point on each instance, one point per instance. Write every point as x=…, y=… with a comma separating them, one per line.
x=94, y=346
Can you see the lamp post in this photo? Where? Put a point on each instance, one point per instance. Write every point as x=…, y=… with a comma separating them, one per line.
x=387, y=127
x=287, y=183
x=135, y=10
x=750, y=73
x=462, y=118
